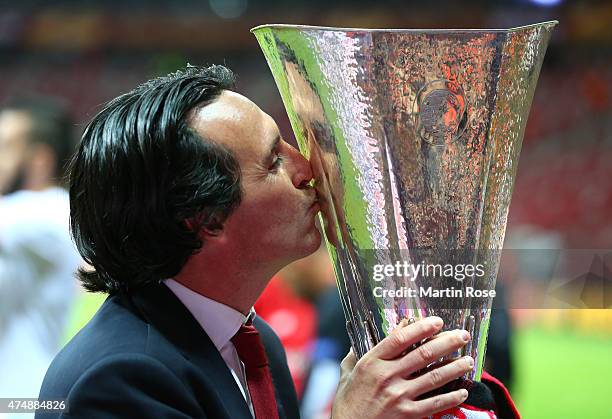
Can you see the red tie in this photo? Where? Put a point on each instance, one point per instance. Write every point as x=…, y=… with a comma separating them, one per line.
x=259, y=380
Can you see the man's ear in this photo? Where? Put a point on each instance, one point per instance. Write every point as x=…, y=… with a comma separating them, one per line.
x=211, y=231
x=208, y=227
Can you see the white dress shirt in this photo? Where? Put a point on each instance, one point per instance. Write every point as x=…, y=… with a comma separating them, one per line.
x=220, y=322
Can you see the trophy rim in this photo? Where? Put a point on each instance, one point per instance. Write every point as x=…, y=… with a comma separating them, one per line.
x=551, y=23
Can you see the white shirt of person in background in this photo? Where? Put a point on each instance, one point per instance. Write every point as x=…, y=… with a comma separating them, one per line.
x=37, y=261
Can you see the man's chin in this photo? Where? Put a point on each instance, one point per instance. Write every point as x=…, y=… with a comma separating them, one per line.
x=312, y=240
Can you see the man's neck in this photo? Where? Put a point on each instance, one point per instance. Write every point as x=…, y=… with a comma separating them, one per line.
x=225, y=280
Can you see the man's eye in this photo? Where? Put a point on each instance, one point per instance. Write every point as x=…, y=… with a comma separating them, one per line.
x=277, y=162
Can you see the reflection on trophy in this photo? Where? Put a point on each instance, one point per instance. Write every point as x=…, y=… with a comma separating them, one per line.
x=414, y=138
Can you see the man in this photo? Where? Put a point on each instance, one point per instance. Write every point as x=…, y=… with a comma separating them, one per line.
x=37, y=257
x=185, y=200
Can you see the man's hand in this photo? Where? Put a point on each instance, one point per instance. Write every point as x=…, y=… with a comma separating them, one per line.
x=383, y=384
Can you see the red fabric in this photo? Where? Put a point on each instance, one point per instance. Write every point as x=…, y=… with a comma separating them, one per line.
x=465, y=411
x=502, y=396
x=259, y=380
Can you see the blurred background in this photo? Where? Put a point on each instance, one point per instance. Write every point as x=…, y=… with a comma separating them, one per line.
x=61, y=60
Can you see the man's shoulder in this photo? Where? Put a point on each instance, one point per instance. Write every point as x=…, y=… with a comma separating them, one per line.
x=114, y=336
x=118, y=384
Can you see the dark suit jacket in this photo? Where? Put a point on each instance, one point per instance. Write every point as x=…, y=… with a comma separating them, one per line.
x=143, y=355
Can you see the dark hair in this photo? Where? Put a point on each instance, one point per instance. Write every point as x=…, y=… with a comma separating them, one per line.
x=51, y=124
x=143, y=183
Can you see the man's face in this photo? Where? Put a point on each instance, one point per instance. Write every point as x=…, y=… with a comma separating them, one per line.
x=275, y=222
x=14, y=129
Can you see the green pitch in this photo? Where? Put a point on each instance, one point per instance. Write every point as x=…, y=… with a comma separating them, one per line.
x=563, y=374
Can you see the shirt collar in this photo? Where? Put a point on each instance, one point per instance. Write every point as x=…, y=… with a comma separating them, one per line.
x=219, y=321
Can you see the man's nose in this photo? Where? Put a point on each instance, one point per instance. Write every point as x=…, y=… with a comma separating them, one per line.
x=301, y=172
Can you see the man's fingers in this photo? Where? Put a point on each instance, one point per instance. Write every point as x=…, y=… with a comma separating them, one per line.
x=437, y=377
x=349, y=361
x=442, y=334
x=431, y=351
x=437, y=364
x=402, y=337
x=439, y=403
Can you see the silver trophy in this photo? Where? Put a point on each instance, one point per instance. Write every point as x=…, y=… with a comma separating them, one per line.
x=414, y=138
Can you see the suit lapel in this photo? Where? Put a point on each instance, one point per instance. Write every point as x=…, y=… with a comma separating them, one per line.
x=164, y=311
